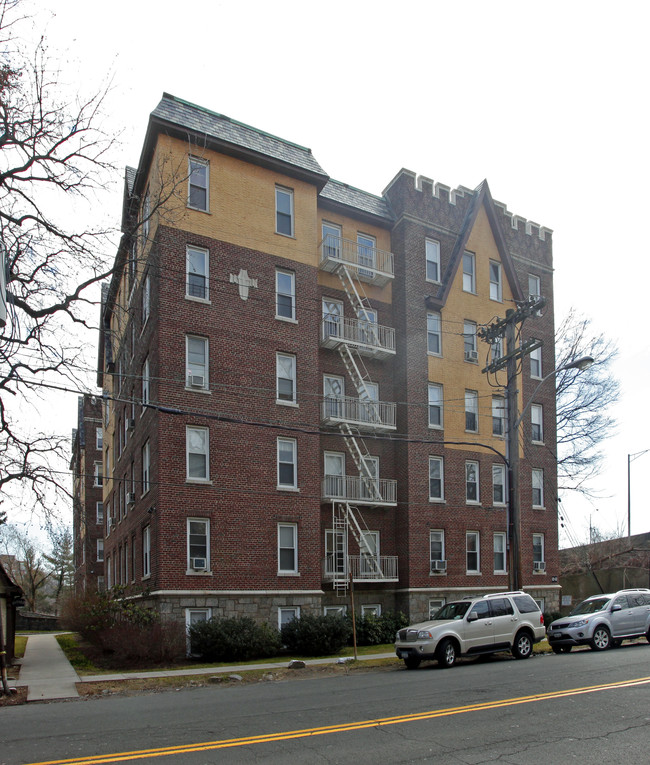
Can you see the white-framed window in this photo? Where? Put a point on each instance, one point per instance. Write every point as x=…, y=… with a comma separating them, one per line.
x=287, y=463
x=334, y=474
x=434, y=334
x=538, y=553
x=435, y=406
x=537, y=423
x=98, y=474
x=498, y=416
x=496, y=291
x=538, y=487
x=335, y=610
x=469, y=341
x=435, y=604
x=197, y=284
x=473, y=552
x=283, y=211
x=146, y=299
x=100, y=549
x=286, y=378
x=366, y=253
x=108, y=519
x=133, y=558
x=432, y=250
x=370, y=485
x=285, y=294
x=536, y=363
x=99, y=512
x=336, y=552
x=108, y=473
x=332, y=236
x=195, y=616
x=371, y=609
x=333, y=395
x=99, y=438
x=496, y=349
x=534, y=286
x=469, y=272
x=196, y=362
x=499, y=549
x=471, y=411
x=287, y=548
x=498, y=484
x=436, y=479
x=107, y=566
x=146, y=385
x=101, y=584
x=198, y=544
x=146, y=468
x=437, y=559
x=198, y=195
x=197, y=449
x=332, y=318
x=146, y=551
x=107, y=408
x=471, y=482
x=287, y=614
x=126, y=426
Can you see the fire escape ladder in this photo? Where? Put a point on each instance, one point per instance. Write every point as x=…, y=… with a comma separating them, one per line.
x=361, y=304
x=340, y=558
x=361, y=458
x=368, y=559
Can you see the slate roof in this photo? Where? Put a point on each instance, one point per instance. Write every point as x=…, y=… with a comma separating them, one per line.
x=335, y=191
x=217, y=126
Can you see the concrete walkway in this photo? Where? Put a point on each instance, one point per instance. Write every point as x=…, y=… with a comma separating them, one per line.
x=46, y=670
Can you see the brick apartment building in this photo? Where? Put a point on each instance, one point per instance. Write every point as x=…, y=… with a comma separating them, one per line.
x=87, y=502
x=285, y=360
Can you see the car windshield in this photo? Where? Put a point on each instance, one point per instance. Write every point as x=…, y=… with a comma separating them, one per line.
x=452, y=611
x=590, y=606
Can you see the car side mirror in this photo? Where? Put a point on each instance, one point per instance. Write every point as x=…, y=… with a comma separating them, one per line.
x=472, y=617
x=616, y=607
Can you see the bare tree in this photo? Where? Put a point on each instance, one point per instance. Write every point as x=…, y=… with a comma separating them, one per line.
x=584, y=402
x=25, y=563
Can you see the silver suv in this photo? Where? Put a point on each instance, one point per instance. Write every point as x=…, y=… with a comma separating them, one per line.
x=602, y=621
x=504, y=621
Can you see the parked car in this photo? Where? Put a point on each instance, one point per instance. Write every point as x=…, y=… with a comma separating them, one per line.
x=504, y=621
x=602, y=621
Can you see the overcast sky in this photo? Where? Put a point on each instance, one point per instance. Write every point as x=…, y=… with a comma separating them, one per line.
x=547, y=100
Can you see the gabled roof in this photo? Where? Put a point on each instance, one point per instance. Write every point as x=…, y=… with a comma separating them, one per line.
x=481, y=198
x=339, y=195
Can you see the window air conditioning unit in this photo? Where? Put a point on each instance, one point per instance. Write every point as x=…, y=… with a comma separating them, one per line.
x=196, y=381
x=539, y=565
x=438, y=565
x=130, y=498
x=198, y=564
x=471, y=355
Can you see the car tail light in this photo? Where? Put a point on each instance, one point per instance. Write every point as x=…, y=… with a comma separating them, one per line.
x=541, y=619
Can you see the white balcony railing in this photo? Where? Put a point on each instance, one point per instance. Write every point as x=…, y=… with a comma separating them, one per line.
x=366, y=415
x=372, y=265
x=384, y=568
x=350, y=488
x=370, y=339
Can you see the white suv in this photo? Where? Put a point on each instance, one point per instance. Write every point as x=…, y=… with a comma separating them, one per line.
x=503, y=621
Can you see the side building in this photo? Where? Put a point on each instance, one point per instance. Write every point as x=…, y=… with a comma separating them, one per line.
x=294, y=388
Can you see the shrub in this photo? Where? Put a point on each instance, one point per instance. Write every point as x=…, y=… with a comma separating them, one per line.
x=316, y=635
x=237, y=639
x=377, y=630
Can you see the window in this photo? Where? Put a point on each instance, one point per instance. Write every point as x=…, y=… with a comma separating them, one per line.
x=197, y=264
x=108, y=572
x=469, y=272
x=100, y=549
x=370, y=483
x=126, y=562
x=285, y=294
x=198, y=454
x=133, y=558
x=196, y=362
x=495, y=281
x=98, y=476
x=366, y=253
x=471, y=411
x=537, y=423
x=436, y=479
x=538, y=553
x=198, y=185
x=145, y=217
x=434, y=334
x=534, y=286
x=99, y=512
x=145, y=385
x=435, y=604
x=195, y=616
x=332, y=318
x=335, y=610
x=287, y=472
x=334, y=474
x=99, y=438
x=435, y=406
x=333, y=396
x=472, y=547
x=146, y=299
x=283, y=211
x=538, y=487
x=108, y=473
x=286, y=378
x=498, y=416
x=287, y=548
x=498, y=484
x=471, y=481
x=432, y=249
x=536, y=363
x=198, y=544
x=499, y=546
x=331, y=240
x=145, y=468
x=469, y=336
x=438, y=563
x=371, y=609
x=146, y=551
x=286, y=615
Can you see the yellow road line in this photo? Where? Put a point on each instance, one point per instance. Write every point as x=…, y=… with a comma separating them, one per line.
x=100, y=759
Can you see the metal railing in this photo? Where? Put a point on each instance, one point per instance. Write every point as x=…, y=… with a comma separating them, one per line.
x=382, y=567
x=366, y=335
x=355, y=489
x=373, y=415
x=370, y=263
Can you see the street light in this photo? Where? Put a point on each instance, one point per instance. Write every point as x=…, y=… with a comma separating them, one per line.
x=512, y=441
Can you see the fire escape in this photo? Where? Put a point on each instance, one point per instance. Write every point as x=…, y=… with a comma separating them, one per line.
x=355, y=338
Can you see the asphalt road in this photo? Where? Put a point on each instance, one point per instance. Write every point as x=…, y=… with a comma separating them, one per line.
x=583, y=707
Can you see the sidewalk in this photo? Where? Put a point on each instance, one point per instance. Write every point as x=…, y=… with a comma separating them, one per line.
x=46, y=670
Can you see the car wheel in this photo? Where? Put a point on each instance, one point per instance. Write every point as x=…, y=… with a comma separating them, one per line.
x=523, y=646
x=617, y=643
x=556, y=649
x=413, y=662
x=601, y=639
x=566, y=649
x=447, y=653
